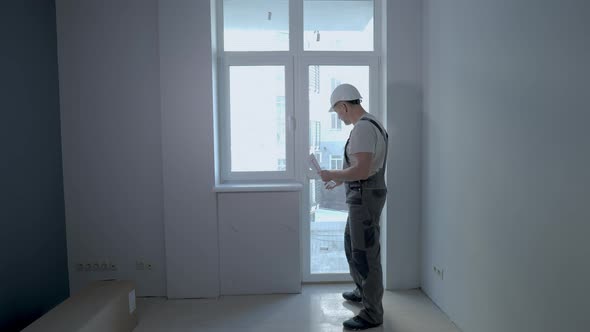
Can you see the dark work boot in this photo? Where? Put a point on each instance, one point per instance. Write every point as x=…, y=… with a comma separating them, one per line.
x=351, y=296
x=356, y=324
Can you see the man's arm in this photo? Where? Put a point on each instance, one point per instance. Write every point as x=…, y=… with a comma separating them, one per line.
x=358, y=170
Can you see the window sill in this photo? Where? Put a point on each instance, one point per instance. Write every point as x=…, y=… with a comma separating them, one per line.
x=254, y=187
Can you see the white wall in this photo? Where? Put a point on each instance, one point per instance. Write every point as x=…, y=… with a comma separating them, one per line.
x=137, y=136
x=138, y=142
x=190, y=210
x=259, y=242
x=507, y=160
x=111, y=138
x=404, y=123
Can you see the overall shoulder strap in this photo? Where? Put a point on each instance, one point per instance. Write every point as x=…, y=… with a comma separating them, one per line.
x=384, y=134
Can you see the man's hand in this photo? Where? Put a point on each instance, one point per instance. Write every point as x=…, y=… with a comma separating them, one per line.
x=332, y=184
x=326, y=175
x=330, y=181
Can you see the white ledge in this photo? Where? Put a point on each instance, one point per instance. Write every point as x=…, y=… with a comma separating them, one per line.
x=257, y=187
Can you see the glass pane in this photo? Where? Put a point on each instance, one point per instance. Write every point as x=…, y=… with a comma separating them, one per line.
x=338, y=25
x=257, y=118
x=327, y=136
x=256, y=25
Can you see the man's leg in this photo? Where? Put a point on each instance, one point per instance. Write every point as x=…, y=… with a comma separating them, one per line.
x=366, y=254
x=373, y=283
x=356, y=277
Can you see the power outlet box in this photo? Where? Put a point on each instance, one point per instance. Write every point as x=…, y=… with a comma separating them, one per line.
x=95, y=266
x=440, y=273
x=142, y=266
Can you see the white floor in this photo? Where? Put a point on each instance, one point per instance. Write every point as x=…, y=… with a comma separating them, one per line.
x=317, y=308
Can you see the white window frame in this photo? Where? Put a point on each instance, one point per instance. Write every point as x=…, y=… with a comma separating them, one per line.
x=369, y=59
x=336, y=158
x=296, y=62
x=329, y=58
x=254, y=59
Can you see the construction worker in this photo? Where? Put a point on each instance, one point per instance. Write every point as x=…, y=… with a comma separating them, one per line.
x=365, y=157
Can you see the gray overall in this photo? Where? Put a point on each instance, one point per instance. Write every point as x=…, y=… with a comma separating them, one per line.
x=365, y=201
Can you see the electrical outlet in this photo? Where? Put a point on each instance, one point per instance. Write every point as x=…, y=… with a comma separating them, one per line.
x=87, y=267
x=439, y=272
x=79, y=267
x=113, y=267
x=139, y=265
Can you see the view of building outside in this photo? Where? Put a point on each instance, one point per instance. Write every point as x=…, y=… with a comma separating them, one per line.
x=328, y=135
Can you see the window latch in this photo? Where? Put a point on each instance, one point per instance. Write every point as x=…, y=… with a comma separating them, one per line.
x=293, y=122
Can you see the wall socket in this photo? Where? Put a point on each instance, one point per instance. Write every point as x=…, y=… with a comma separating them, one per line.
x=141, y=266
x=95, y=266
x=106, y=266
x=440, y=273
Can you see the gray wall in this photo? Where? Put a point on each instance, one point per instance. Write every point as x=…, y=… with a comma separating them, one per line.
x=507, y=163
x=33, y=274
x=404, y=124
x=137, y=126
x=112, y=148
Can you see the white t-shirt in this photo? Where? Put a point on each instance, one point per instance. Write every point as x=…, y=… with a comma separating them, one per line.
x=365, y=137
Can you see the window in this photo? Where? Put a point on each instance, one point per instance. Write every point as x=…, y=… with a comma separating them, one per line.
x=262, y=104
x=334, y=83
x=314, y=79
x=280, y=120
x=272, y=55
x=255, y=25
x=277, y=64
x=335, y=122
x=281, y=164
x=336, y=162
x=318, y=156
x=343, y=25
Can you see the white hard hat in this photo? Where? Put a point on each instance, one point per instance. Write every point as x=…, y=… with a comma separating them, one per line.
x=344, y=92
